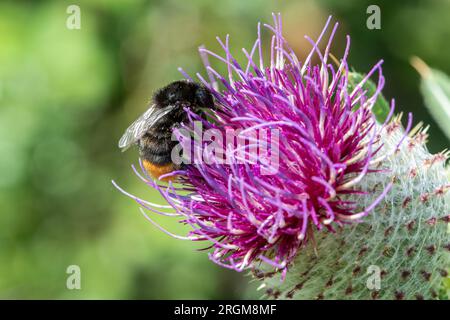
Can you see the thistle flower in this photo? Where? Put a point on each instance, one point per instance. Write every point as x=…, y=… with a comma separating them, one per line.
x=327, y=145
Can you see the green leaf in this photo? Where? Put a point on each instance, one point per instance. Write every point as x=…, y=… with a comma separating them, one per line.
x=381, y=107
x=435, y=88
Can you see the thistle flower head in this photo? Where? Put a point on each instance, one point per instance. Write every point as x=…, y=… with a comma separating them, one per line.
x=323, y=140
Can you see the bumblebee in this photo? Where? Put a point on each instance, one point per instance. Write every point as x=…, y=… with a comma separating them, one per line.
x=152, y=131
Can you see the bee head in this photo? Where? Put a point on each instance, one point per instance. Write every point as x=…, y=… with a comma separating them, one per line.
x=184, y=91
x=203, y=98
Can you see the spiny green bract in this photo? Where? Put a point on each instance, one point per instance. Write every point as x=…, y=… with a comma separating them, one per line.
x=405, y=241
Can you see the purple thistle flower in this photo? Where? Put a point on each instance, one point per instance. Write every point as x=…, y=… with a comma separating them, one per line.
x=328, y=141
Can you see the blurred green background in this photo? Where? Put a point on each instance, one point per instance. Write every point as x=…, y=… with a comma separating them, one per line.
x=66, y=96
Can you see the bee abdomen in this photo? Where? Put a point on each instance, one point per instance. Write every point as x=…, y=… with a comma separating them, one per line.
x=157, y=151
x=158, y=170
x=158, y=159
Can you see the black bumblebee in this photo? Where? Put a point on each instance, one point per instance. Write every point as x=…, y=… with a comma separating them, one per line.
x=153, y=130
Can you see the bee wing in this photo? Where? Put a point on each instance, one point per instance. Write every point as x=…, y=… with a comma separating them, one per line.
x=142, y=124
